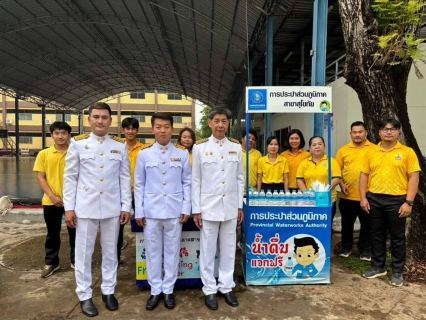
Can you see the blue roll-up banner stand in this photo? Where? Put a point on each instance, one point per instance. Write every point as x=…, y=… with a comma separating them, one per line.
x=287, y=244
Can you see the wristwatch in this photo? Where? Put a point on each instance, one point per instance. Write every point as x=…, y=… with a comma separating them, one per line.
x=410, y=203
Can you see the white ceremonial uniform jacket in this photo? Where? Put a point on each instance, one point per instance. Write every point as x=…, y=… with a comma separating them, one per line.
x=97, y=177
x=217, y=179
x=162, y=182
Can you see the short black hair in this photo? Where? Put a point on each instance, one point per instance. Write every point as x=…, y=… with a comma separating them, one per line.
x=314, y=137
x=60, y=125
x=304, y=242
x=100, y=106
x=220, y=110
x=251, y=131
x=395, y=123
x=357, y=124
x=286, y=144
x=269, y=140
x=130, y=122
x=162, y=116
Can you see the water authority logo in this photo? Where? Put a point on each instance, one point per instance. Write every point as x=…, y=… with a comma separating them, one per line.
x=257, y=99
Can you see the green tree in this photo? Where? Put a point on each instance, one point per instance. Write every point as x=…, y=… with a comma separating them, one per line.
x=203, y=131
x=381, y=42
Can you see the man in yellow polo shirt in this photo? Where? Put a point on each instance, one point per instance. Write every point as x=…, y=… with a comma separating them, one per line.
x=50, y=166
x=390, y=172
x=254, y=156
x=130, y=128
x=350, y=157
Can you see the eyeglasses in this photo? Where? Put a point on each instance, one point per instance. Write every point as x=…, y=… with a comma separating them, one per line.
x=393, y=130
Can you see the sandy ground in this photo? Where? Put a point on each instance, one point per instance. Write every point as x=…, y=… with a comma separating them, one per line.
x=24, y=295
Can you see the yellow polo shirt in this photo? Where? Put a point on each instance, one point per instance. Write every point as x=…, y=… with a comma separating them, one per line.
x=190, y=158
x=293, y=163
x=388, y=170
x=52, y=163
x=133, y=156
x=254, y=156
x=273, y=172
x=350, y=158
x=310, y=171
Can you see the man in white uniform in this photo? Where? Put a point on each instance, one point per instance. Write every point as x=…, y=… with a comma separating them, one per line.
x=163, y=204
x=97, y=194
x=217, y=201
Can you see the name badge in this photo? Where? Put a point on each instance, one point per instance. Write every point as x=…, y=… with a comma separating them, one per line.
x=174, y=159
x=116, y=151
x=233, y=153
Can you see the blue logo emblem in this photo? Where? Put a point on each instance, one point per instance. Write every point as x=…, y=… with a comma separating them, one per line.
x=257, y=99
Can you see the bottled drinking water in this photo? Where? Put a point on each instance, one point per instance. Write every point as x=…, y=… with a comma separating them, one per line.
x=299, y=200
x=306, y=198
x=275, y=198
x=281, y=198
x=254, y=199
x=289, y=267
x=261, y=201
x=268, y=198
x=293, y=201
x=312, y=201
x=287, y=199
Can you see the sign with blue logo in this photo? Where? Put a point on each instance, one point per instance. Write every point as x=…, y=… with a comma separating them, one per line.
x=257, y=99
x=286, y=245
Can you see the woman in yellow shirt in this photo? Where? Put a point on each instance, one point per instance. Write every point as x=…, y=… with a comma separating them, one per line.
x=186, y=138
x=272, y=172
x=294, y=153
x=316, y=168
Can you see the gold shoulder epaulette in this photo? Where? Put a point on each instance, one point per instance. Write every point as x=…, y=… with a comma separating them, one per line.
x=146, y=146
x=118, y=139
x=234, y=140
x=179, y=146
x=202, y=141
x=82, y=136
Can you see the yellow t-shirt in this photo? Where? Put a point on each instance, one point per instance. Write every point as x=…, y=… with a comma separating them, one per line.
x=350, y=158
x=388, y=170
x=293, y=163
x=254, y=156
x=273, y=172
x=52, y=163
x=133, y=156
x=190, y=158
x=309, y=171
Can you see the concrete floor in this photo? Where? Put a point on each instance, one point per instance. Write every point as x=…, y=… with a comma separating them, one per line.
x=24, y=295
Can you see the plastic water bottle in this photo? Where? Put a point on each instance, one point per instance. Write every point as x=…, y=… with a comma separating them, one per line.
x=254, y=199
x=289, y=267
x=63, y=219
x=293, y=201
x=281, y=198
x=306, y=198
x=261, y=201
x=275, y=198
x=268, y=198
x=312, y=201
x=287, y=200
x=299, y=200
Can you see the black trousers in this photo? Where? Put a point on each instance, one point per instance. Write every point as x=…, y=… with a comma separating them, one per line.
x=53, y=218
x=384, y=216
x=350, y=210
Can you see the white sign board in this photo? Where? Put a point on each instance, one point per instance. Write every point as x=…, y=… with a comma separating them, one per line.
x=301, y=99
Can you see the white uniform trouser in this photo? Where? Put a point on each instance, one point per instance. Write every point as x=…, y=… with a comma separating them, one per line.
x=159, y=234
x=227, y=233
x=87, y=230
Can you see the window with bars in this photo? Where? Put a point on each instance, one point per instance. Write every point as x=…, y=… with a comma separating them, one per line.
x=59, y=117
x=25, y=116
x=174, y=96
x=141, y=140
x=137, y=95
x=140, y=118
x=25, y=139
x=177, y=119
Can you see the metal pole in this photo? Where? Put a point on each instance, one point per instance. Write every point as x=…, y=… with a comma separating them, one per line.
x=319, y=53
x=269, y=70
x=80, y=122
x=302, y=62
x=43, y=126
x=17, y=128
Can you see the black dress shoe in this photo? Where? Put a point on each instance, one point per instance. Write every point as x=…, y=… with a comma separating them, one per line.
x=88, y=308
x=169, y=300
x=111, y=302
x=152, y=302
x=211, y=301
x=231, y=299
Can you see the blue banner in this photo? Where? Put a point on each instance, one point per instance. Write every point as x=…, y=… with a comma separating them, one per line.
x=286, y=245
